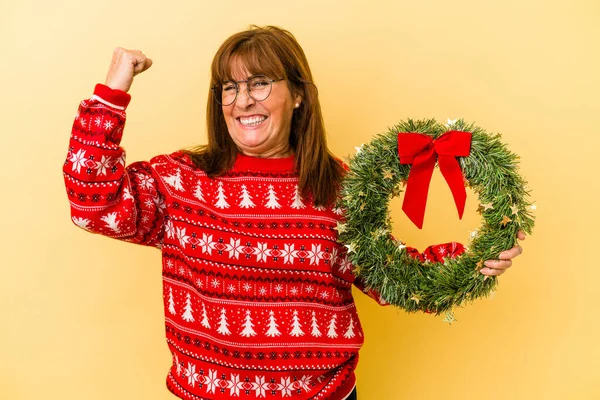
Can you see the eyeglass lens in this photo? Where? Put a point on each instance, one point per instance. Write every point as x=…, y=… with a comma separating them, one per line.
x=259, y=88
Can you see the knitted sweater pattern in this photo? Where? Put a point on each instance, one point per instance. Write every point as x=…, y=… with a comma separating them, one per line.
x=256, y=288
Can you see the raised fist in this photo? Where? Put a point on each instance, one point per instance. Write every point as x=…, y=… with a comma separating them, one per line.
x=126, y=64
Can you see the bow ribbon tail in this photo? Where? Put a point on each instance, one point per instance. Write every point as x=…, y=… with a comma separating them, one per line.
x=450, y=169
x=417, y=187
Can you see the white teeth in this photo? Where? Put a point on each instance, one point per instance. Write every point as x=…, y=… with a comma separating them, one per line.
x=252, y=121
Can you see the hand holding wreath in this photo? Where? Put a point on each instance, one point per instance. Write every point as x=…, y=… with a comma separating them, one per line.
x=504, y=261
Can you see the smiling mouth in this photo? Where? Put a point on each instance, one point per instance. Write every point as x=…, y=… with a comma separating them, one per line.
x=252, y=121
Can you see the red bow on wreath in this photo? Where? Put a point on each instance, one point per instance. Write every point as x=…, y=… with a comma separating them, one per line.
x=422, y=151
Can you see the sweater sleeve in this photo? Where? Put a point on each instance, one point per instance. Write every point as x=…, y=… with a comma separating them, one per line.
x=372, y=293
x=105, y=196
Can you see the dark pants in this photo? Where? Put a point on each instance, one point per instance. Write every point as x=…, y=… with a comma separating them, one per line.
x=352, y=395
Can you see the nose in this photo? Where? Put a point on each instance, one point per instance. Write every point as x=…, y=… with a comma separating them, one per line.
x=244, y=100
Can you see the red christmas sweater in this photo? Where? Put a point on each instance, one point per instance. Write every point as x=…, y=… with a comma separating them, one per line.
x=256, y=288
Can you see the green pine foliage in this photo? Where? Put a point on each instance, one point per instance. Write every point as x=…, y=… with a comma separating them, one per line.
x=376, y=176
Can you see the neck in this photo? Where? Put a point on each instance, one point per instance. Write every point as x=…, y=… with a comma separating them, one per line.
x=278, y=152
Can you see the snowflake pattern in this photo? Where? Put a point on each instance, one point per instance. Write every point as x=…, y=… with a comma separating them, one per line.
x=78, y=159
x=191, y=374
x=260, y=386
x=183, y=238
x=262, y=252
x=104, y=164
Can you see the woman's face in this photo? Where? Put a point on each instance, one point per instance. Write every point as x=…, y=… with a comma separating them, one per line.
x=261, y=128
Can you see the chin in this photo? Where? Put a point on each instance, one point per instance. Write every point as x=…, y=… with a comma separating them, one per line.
x=251, y=140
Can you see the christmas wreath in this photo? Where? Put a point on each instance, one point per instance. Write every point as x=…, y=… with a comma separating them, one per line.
x=404, y=158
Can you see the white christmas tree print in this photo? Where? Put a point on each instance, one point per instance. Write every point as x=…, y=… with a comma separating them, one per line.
x=332, y=333
x=248, y=326
x=223, y=325
x=111, y=221
x=272, y=197
x=83, y=223
x=221, y=202
x=171, y=302
x=246, y=199
x=316, y=332
x=350, y=331
x=187, y=314
x=127, y=194
x=272, y=331
x=338, y=211
x=296, y=327
x=297, y=203
x=175, y=181
x=198, y=192
x=204, y=321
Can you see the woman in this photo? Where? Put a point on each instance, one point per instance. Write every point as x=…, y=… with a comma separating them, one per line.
x=257, y=290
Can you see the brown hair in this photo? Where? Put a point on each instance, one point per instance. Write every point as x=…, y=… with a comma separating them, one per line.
x=274, y=52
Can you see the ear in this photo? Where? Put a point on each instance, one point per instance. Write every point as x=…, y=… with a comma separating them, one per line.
x=297, y=100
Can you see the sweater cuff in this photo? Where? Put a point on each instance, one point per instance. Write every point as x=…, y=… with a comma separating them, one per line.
x=111, y=97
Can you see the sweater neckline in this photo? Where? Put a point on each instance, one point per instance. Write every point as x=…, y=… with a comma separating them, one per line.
x=249, y=163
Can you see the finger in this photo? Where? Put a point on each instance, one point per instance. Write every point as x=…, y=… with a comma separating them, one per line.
x=521, y=235
x=139, y=65
x=512, y=253
x=492, y=271
x=498, y=264
x=142, y=65
x=149, y=63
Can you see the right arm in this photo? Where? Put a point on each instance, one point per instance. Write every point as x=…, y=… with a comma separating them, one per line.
x=105, y=196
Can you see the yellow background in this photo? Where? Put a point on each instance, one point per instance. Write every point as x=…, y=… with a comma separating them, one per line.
x=82, y=315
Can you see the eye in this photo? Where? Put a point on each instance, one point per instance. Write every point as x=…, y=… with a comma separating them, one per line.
x=228, y=87
x=259, y=82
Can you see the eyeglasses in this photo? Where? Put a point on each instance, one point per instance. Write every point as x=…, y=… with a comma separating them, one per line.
x=258, y=87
